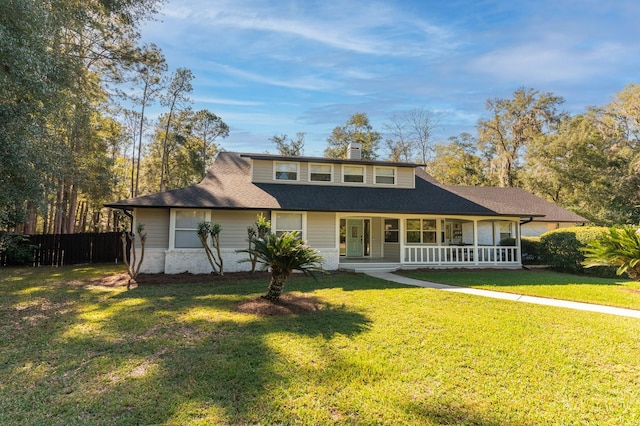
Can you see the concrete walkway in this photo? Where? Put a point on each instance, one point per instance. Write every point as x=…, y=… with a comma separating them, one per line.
x=623, y=312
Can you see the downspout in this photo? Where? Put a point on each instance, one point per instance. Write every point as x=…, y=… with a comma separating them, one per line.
x=520, y=240
x=527, y=221
x=130, y=216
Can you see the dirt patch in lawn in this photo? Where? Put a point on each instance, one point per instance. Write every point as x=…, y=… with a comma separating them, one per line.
x=121, y=279
x=288, y=304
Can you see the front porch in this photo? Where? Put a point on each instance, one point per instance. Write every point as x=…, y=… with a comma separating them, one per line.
x=410, y=242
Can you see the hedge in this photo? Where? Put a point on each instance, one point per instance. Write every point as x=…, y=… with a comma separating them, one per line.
x=560, y=249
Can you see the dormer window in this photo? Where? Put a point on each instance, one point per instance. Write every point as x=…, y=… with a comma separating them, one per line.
x=320, y=172
x=285, y=171
x=353, y=174
x=385, y=175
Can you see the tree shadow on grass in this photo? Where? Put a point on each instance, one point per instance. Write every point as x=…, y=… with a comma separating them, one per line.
x=163, y=354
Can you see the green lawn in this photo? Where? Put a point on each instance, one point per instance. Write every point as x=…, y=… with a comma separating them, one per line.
x=73, y=352
x=580, y=288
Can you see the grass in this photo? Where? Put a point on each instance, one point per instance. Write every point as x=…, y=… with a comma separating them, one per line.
x=579, y=288
x=73, y=352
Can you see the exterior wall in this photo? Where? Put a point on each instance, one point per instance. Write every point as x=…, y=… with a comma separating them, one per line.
x=195, y=261
x=392, y=252
x=262, y=172
x=154, y=260
x=331, y=258
x=156, y=225
x=234, y=224
x=535, y=229
x=376, y=237
x=321, y=230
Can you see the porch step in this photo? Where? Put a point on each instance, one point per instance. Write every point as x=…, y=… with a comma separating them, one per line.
x=365, y=267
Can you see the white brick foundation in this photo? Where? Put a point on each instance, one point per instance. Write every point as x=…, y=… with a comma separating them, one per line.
x=195, y=261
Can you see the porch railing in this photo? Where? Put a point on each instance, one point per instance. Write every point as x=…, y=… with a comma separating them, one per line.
x=460, y=255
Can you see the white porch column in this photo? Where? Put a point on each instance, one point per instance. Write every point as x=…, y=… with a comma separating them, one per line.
x=476, y=254
x=401, y=238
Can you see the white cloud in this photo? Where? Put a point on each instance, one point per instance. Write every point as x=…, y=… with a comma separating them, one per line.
x=222, y=101
x=550, y=60
x=309, y=82
x=374, y=28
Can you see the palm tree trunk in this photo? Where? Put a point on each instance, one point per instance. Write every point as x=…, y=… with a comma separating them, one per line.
x=278, y=278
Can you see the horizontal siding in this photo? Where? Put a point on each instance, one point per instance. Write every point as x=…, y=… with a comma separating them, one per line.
x=321, y=230
x=406, y=177
x=376, y=237
x=392, y=252
x=233, y=226
x=262, y=172
x=156, y=225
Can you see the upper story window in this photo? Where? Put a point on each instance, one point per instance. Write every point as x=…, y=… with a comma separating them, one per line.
x=353, y=174
x=320, y=172
x=285, y=171
x=186, y=228
x=385, y=175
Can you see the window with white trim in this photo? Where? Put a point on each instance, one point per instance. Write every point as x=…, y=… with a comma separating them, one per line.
x=385, y=175
x=285, y=171
x=288, y=222
x=391, y=230
x=421, y=231
x=353, y=174
x=320, y=172
x=186, y=228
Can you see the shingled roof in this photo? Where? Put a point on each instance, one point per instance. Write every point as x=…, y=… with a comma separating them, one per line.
x=228, y=186
x=511, y=200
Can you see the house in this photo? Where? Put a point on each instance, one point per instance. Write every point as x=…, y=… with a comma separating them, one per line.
x=355, y=212
x=551, y=216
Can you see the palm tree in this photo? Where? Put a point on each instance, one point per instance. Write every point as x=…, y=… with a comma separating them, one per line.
x=620, y=247
x=283, y=254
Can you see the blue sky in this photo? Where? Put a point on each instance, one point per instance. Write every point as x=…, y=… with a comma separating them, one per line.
x=273, y=67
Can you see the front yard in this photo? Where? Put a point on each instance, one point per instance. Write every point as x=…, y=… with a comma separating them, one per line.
x=75, y=349
x=620, y=292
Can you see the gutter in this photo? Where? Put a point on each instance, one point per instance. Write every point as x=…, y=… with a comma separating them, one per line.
x=526, y=221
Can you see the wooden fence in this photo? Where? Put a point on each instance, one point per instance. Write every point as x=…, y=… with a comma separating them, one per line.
x=76, y=249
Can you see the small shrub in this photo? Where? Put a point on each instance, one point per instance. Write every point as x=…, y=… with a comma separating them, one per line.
x=531, y=250
x=15, y=249
x=510, y=241
x=619, y=248
x=561, y=249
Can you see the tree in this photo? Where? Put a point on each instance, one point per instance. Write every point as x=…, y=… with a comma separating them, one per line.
x=289, y=146
x=620, y=247
x=133, y=266
x=514, y=124
x=175, y=99
x=148, y=75
x=206, y=230
x=57, y=60
x=411, y=135
x=259, y=230
x=357, y=129
x=456, y=162
x=283, y=254
x=205, y=127
x=185, y=151
x=587, y=166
